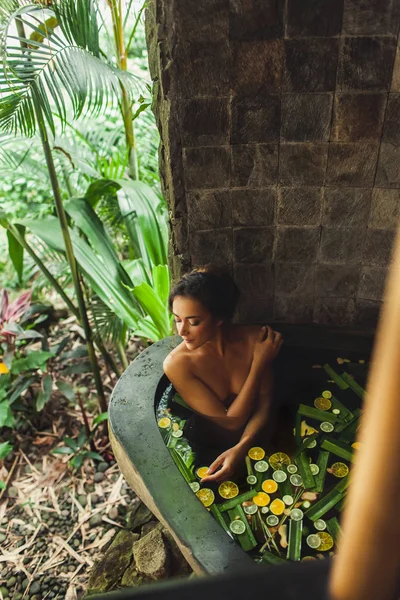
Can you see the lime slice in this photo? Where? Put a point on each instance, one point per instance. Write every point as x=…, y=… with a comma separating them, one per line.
x=314, y=469
x=326, y=394
x=195, y=486
x=296, y=514
x=264, y=509
x=326, y=541
x=237, y=527
x=296, y=480
x=326, y=427
x=261, y=466
x=272, y=520
x=292, y=469
x=320, y=525
x=339, y=469
x=177, y=434
x=313, y=540
x=322, y=403
x=279, y=476
x=279, y=459
x=228, y=490
x=306, y=504
x=251, y=509
x=251, y=479
x=288, y=500
x=336, y=411
x=312, y=444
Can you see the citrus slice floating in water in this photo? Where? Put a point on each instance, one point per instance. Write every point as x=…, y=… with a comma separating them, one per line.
x=251, y=509
x=237, y=527
x=314, y=469
x=326, y=427
x=201, y=472
x=322, y=403
x=296, y=514
x=279, y=476
x=261, y=499
x=336, y=411
x=339, y=469
x=288, y=500
x=177, y=434
x=313, y=540
x=278, y=460
x=296, y=480
x=326, y=394
x=269, y=486
x=256, y=453
x=251, y=479
x=206, y=496
x=175, y=426
x=277, y=506
x=320, y=525
x=164, y=423
x=228, y=490
x=292, y=469
x=261, y=466
x=326, y=541
x=195, y=486
x=306, y=504
x=272, y=520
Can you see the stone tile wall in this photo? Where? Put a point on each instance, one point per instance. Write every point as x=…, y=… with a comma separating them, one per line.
x=280, y=152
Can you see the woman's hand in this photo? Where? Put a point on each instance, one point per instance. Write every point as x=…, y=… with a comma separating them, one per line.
x=267, y=346
x=228, y=462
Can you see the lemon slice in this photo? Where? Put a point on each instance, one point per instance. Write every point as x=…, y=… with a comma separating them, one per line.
x=313, y=540
x=272, y=520
x=251, y=509
x=228, y=490
x=292, y=469
x=237, y=527
x=201, y=472
x=206, y=496
x=279, y=476
x=277, y=506
x=195, y=486
x=296, y=514
x=269, y=486
x=251, y=479
x=296, y=480
x=261, y=466
x=339, y=469
x=326, y=394
x=164, y=423
x=326, y=541
x=261, y=499
x=326, y=427
x=314, y=469
x=177, y=434
x=288, y=500
x=256, y=453
x=320, y=524
x=322, y=403
x=278, y=460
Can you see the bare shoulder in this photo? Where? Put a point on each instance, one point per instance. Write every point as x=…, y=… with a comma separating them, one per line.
x=177, y=360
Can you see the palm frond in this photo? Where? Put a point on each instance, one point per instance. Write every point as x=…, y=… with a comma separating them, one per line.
x=104, y=322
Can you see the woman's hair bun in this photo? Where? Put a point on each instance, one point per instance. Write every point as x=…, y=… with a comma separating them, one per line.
x=213, y=286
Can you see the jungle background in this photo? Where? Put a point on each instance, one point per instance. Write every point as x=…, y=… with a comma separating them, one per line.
x=83, y=276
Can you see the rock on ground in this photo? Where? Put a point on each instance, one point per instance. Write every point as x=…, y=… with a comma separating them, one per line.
x=107, y=572
x=151, y=555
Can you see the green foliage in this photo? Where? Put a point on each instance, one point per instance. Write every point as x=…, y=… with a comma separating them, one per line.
x=79, y=448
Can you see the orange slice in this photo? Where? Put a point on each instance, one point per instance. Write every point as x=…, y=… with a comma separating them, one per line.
x=256, y=453
x=269, y=486
x=261, y=499
x=339, y=469
x=277, y=506
x=228, y=489
x=201, y=472
x=206, y=496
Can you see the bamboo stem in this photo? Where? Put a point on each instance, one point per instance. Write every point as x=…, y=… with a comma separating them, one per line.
x=367, y=565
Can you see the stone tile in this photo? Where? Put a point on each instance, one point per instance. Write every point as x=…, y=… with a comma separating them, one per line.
x=310, y=65
x=334, y=311
x=202, y=67
x=211, y=247
x=255, y=310
x=207, y=167
x=358, y=117
x=254, y=280
x=372, y=283
x=294, y=279
x=209, y=210
x=193, y=18
x=257, y=120
x=254, y=165
x=204, y=122
x=256, y=67
x=299, y=205
x=378, y=246
x=367, y=313
x=365, y=63
x=302, y=164
x=385, y=209
x=370, y=17
x=391, y=130
x=337, y=281
x=346, y=207
x=253, y=207
x=293, y=309
x=351, y=164
x=309, y=18
x=306, y=117
x=253, y=245
x=297, y=244
x=395, y=87
x=388, y=173
x=255, y=20
x=342, y=245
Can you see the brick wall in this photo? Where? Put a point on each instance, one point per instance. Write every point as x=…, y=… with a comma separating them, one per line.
x=280, y=148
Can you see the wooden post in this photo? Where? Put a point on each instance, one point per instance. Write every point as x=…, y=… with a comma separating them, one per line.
x=367, y=565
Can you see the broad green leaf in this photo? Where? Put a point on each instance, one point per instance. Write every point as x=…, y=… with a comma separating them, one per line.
x=78, y=368
x=100, y=418
x=19, y=386
x=77, y=461
x=161, y=283
x=94, y=455
x=71, y=443
x=153, y=306
x=99, y=189
x=16, y=252
x=45, y=392
x=66, y=389
x=81, y=438
x=62, y=450
x=6, y=416
x=5, y=449
x=34, y=360
x=137, y=271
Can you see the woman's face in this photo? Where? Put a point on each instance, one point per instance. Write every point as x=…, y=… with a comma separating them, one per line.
x=193, y=321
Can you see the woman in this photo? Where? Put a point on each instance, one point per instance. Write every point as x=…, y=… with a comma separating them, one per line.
x=222, y=371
